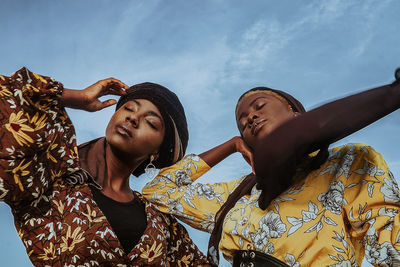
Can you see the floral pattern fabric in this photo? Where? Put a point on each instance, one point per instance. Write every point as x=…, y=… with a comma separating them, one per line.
x=40, y=179
x=347, y=209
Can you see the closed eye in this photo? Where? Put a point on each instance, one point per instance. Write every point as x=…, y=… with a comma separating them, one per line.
x=151, y=125
x=154, y=121
x=260, y=106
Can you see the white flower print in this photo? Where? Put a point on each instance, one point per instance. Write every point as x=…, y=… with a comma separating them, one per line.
x=390, y=213
x=188, y=195
x=192, y=157
x=348, y=159
x=390, y=190
x=246, y=232
x=333, y=199
x=259, y=239
x=270, y=249
x=344, y=249
x=272, y=224
x=382, y=254
x=174, y=207
x=3, y=191
x=370, y=169
x=182, y=178
x=387, y=212
x=291, y=260
x=207, y=191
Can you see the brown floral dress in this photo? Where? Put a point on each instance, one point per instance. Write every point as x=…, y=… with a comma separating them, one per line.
x=41, y=180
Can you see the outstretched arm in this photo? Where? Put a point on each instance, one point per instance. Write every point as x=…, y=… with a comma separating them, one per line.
x=315, y=129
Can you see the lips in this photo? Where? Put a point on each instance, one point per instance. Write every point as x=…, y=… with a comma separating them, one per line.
x=123, y=130
x=257, y=125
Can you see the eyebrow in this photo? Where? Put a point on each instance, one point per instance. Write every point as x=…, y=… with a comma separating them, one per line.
x=251, y=103
x=137, y=102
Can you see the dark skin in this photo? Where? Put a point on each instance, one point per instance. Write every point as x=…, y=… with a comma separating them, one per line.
x=256, y=116
x=135, y=133
x=259, y=114
x=278, y=139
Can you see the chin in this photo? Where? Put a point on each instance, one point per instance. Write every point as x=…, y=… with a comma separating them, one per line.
x=263, y=133
x=256, y=140
x=116, y=143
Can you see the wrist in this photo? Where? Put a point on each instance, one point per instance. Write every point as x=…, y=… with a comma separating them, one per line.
x=72, y=98
x=236, y=141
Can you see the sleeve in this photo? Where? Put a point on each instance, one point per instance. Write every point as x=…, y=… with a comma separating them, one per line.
x=182, y=251
x=173, y=192
x=371, y=204
x=37, y=138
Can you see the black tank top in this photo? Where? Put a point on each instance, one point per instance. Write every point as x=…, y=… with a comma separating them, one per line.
x=127, y=219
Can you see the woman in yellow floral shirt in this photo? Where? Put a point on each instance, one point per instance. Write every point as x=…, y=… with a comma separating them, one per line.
x=308, y=206
x=74, y=207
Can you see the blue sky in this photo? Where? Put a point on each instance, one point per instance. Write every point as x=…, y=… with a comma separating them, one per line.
x=209, y=53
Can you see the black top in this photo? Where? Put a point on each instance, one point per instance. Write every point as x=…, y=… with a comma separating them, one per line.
x=127, y=219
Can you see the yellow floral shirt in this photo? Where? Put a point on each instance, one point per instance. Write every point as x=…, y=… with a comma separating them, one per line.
x=342, y=212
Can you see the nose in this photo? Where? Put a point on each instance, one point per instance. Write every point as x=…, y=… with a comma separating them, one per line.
x=251, y=118
x=133, y=119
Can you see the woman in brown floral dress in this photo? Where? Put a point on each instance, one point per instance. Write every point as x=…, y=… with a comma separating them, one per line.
x=73, y=206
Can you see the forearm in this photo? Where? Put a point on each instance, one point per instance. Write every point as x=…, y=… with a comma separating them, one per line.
x=215, y=155
x=324, y=125
x=336, y=120
x=71, y=98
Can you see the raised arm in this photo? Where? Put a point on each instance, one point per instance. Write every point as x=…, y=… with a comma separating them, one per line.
x=196, y=204
x=37, y=138
x=215, y=155
x=278, y=153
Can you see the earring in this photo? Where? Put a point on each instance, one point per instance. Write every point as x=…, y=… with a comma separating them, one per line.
x=150, y=169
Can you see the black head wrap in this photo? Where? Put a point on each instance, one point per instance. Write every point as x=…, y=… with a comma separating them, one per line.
x=176, y=133
x=293, y=102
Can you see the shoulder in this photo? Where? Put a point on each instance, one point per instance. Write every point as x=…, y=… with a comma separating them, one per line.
x=354, y=150
x=353, y=160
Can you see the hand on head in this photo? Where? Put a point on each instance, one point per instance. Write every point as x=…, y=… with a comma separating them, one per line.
x=243, y=148
x=91, y=94
x=88, y=98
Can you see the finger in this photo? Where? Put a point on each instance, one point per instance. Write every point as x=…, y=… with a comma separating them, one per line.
x=113, y=84
x=113, y=91
x=107, y=103
x=117, y=89
x=118, y=83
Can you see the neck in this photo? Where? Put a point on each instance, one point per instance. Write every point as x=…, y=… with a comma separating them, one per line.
x=119, y=169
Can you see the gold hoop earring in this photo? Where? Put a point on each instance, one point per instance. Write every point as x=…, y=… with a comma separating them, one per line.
x=150, y=169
